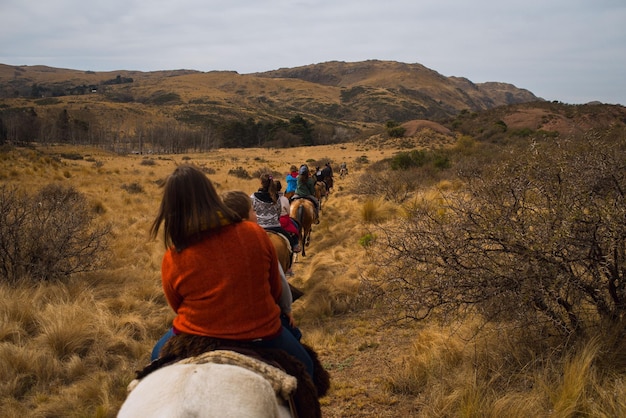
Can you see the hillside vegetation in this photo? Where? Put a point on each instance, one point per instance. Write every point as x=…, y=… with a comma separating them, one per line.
x=470, y=263
x=448, y=276
x=330, y=103
x=137, y=111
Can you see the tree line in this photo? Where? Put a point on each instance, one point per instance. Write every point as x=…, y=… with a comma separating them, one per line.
x=82, y=127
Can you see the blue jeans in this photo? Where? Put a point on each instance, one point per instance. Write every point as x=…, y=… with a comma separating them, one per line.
x=159, y=345
x=286, y=340
x=294, y=330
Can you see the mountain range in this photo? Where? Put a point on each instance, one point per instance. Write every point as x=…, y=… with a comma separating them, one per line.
x=368, y=91
x=354, y=95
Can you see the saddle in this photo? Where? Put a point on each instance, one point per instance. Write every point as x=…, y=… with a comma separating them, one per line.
x=282, y=383
x=283, y=236
x=304, y=400
x=308, y=197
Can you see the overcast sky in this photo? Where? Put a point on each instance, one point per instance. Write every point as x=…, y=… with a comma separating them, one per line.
x=573, y=51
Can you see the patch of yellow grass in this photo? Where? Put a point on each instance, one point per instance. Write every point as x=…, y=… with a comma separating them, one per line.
x=492, y=376
x=377, y=210
x=70, y=349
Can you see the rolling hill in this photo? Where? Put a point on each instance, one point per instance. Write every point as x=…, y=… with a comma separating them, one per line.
x=336, y=101
x=370, y=91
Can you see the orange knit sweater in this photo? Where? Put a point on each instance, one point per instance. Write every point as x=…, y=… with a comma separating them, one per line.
x=225, y=286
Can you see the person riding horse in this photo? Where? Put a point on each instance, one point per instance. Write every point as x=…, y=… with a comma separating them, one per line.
x=202, y=236
x=241, y=204
x=267, y=205
x=327, y=176
x=343, y=171
x=306, y=189
x=292, y=181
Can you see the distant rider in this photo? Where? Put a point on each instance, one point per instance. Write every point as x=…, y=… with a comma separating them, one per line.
x=306, y=189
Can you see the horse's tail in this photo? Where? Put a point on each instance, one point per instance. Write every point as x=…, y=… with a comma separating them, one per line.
x=299, y=215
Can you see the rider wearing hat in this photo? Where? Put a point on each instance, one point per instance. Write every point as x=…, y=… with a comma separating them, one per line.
x=306, y=189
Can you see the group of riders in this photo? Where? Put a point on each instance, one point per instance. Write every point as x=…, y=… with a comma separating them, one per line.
x=301, y=184
x=198, y=225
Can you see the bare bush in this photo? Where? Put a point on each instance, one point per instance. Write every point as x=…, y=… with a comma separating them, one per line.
x=538, y=239
x=240, y=172
x=264, y=170
x=133, y=188
x=394, y=186
x=49, y=235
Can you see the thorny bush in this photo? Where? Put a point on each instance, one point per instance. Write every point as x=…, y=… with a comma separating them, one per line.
x=537, y=239
x=49, y=235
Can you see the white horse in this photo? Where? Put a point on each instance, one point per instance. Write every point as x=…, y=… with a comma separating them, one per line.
x=199, y=387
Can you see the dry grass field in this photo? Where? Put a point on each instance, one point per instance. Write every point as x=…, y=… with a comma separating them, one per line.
x=69, y=349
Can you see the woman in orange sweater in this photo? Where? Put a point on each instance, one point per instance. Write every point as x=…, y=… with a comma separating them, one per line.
x=219, y=273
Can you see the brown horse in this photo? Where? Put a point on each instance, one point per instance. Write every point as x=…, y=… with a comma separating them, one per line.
x=283, y=249
x=303, y=211
x=329, y=182
x=285, y=258
x=320, y=192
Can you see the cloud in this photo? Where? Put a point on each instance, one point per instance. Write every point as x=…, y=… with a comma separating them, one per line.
x=573, y=51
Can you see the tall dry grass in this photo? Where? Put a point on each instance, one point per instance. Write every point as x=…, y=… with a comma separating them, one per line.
x=69, y=349
x=495, y=374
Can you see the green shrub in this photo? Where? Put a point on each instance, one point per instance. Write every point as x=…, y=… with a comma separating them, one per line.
x=523, y=132
x=401, y=161
x=441, y=161
x=394, y=129
x=367, y=239
x=406, y=160
x=419, y=158
x=396, y=132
